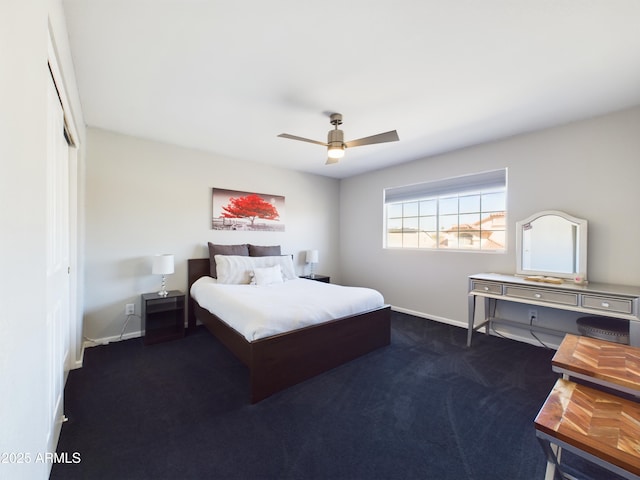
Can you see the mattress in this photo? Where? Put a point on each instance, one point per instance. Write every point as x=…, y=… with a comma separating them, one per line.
x=260, y=311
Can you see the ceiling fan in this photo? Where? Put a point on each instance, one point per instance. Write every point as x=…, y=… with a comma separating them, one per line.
x=335, y=141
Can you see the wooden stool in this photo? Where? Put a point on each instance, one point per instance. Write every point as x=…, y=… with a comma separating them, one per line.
x=600, y=427
x=601, y=362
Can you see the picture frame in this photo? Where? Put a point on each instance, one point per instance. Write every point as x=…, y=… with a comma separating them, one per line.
x=247, y=211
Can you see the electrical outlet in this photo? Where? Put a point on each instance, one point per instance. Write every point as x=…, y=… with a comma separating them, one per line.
x=533, y=314
x=129, y=309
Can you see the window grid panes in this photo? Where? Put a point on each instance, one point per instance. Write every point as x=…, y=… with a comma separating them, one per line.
x=461, y=221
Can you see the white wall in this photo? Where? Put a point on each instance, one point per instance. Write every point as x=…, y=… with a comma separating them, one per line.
x=145, y=197
x=23, y=363
x=589, y=169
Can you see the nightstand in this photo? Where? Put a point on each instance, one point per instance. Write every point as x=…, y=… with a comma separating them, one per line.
x=162, y=317
x=317, y=278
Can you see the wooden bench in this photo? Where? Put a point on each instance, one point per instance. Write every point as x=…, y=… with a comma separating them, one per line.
x=597, y=361
x=598, y=426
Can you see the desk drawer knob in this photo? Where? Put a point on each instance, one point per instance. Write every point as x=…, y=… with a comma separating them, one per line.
x=605, y=304
x=486, y=289
x=537, y=295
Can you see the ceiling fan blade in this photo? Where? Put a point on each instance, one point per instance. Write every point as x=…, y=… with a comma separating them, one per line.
x=391, y=136
x=331, y=161
x=302, y=139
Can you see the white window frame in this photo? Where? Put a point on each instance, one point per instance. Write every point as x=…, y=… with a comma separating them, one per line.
x=483, y=183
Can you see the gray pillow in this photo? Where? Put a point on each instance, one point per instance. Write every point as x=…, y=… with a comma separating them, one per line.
x=260, y=251
x=214, y=249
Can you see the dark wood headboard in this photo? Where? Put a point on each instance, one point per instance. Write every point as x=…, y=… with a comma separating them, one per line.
x=196, y=268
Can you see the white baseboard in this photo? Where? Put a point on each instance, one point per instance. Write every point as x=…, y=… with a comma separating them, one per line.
x=94, y=342
x=448, y=321
x=464, y=324
x=78, y=364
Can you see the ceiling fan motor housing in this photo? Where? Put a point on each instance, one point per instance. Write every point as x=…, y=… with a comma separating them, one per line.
x=335, y=142
x=335, y=138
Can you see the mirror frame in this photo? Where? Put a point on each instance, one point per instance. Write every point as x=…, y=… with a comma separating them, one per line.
x=582, y=245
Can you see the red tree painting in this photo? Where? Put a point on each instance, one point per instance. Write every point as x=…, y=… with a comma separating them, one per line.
x=251, y=206
x=237, y=210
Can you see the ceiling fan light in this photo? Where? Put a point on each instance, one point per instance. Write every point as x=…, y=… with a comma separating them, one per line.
x=336, y=151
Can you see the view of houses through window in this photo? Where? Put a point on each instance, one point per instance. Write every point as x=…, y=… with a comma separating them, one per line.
x=434, y=217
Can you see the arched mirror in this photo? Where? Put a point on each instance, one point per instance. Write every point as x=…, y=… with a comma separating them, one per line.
x=552, y=243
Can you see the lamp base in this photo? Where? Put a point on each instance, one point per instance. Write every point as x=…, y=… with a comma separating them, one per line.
x=163, y=292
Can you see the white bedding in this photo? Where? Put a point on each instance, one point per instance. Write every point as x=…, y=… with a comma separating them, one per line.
x=259, y=311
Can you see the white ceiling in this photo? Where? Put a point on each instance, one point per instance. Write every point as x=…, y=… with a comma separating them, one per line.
x=228, y=76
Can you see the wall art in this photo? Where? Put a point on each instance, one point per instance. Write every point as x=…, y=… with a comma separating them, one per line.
x=247, y=211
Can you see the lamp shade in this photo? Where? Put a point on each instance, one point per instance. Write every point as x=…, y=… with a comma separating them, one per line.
x=162, y=264
x=312, y=256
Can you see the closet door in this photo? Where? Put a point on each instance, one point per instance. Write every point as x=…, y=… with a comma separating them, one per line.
x=57, y=241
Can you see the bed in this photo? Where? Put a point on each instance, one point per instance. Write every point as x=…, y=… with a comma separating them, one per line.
x=278, y=361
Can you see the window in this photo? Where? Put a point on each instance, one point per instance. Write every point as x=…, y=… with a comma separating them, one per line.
x=461, y=213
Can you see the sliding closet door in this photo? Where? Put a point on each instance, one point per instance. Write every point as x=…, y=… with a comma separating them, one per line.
x=57, y=240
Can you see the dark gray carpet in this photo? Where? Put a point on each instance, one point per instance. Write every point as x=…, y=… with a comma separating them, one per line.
x=426, y=407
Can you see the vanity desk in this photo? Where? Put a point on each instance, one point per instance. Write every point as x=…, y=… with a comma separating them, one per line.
x=600, y=299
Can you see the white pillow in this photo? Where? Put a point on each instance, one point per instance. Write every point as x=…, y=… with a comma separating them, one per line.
x=267, y=275
x=236, y=269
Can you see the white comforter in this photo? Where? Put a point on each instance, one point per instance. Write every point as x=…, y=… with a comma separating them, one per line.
x=261, y=311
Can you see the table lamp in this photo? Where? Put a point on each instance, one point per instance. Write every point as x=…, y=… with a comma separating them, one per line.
x=312, y=258
x=163, y=265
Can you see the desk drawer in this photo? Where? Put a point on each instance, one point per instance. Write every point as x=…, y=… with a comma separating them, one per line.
x=620, y=305
x=540, y=295
x=486, y=287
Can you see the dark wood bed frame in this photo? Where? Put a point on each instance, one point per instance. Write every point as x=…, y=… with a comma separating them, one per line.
x=280, y=361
